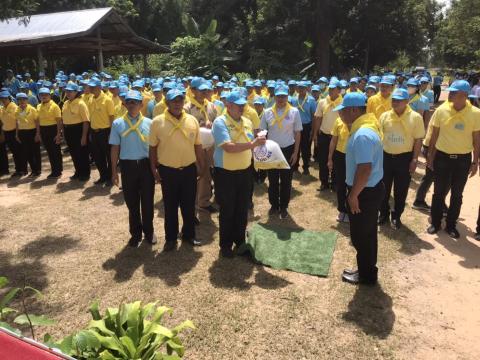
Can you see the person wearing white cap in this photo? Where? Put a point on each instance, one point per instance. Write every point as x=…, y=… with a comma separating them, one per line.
x=403, y=132
x=129, y=143
x=364, y=173
x=284, y=126
x=453, y=154
x=175, y=155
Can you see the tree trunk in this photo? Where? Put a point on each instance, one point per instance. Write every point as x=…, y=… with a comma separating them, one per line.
x=321, y=34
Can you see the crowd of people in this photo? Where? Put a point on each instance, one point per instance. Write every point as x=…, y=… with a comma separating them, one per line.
x=367, y=135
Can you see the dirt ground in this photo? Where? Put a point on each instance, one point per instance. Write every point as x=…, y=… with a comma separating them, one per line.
x=69, y=240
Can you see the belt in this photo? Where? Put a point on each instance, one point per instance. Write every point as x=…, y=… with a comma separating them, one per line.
x=454, y=156
x=99, y=130
x=135, y=161
x=404, y=154
x=72, y=125
x=179, y=168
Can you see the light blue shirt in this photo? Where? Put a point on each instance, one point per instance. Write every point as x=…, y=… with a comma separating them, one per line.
x=420, y=104
x=437, y=80
x=290, y=124
x=150, y=106
x=131, y=146
x=363, y=147
x=309, y=108
x=429, y=95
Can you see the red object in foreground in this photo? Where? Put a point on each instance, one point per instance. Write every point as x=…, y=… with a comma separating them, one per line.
x=14, y=347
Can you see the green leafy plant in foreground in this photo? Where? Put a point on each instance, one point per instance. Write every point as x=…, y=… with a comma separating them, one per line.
x=23, y=317
x=132, y=332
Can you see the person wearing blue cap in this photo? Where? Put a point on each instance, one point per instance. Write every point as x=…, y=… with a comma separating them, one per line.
x=76, y=123
x=292, y=87
x=324, y=120
x=401, y=81
x=437, y=86
x=205, y=113
x=51, y=129
x=315, y=92
x=453, y=154
x=364, y=173
x=102, y=113
x=8, y=134
x=175, y=155
x=403, y=131
x=113, y=92
x=28, y=135
x=284, y=126
x=32, y=100
x=417, y=101
x=234, y=141
x=157, y=98
x=307, y=107
x=425, y=91
x=353, y=87
x=59, y=96
x=128, y=139
x=370, y=90
x=382, y=101
x=11, y=83
x=139, y=85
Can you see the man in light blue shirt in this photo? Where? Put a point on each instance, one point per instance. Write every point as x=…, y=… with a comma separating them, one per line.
x=307, y=106
x=129, y=140
x=437, y=86
x=364, y=173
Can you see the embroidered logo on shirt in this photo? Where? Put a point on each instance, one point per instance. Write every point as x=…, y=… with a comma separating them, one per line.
x=460, y=126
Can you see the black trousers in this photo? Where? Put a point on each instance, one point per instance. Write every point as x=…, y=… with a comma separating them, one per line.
x=101, y=152
x=323, y=144
x=340, y=177
x=14, y=146
x=138, y=186
x=232, y=190
x=478, y=221
x=3, y=158
x=54, y=151
x=30, y=150
x=280, y=183
x=396, y=174
x=451, y=173
x=305, y=147
x=363, y=230
x=79, y=153
x=179, y=189
x=437, y=90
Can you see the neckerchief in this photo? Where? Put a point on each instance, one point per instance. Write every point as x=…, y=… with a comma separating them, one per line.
x=332, y=104
x=23, y=114
x=401, y=119
x=135, y=127
x=238, y=125
x=301, y=104
x=368, y=121
x=177, y=124
x=202, y=108
x=415, y=98
x=279, y=119
x=457, y=114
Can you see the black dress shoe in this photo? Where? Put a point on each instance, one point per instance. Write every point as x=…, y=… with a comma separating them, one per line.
x=152, y=239
x=169, y=246
x=16, y=174
x=477, y=236
x=54, y=175
x=194, y=242
x=383, y=219
x=453, y=232
x=273, y=211
x=350, y=271
x=351, y=278
x=432, y=229
x=323, y=187
x=74, y=177
x=99, y=182
x=134, y=242
x=396, y=223
x=227, y=253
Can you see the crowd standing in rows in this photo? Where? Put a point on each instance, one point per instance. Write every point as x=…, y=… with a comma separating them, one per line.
x=368, y=134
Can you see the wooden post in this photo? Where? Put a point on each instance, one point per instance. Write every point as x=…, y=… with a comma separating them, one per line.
x=145, y=65
x=100, y=51
x=40, y=60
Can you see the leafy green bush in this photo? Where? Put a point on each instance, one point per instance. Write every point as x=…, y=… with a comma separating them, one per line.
x=132, y=332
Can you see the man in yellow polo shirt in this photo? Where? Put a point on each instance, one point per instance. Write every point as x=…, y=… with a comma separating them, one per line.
x=403, y=132
x=234, y=141
x=50, y=120
x=455, y=138
x=76, y=123
x=28, y=134
x=8, y=132
x=323, y=122
x=102, y=111
x=382, y=101
x=205, y=112
x=175, y=154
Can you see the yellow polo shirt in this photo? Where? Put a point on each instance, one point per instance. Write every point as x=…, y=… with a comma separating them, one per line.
x=325, y=111
x=428, y=136
x=48, y=113
x=147, y=96
x=175, y=146
x=159, y=108
x=251, y=114
x=399, y=133
x=340, y=130
x=7, y=116
x=26, y=118
x=456, y=128
x=100, y=109
x=377, y=104
x=75, y=112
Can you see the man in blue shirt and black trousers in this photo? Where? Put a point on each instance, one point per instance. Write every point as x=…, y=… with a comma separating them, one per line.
x=364, y=173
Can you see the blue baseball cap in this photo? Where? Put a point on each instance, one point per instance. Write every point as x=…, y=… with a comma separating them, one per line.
x=4, y=94
x=302, y=84
x=387, y=80
x=315, y=88
x=323, y=79
x=370, y=86
x=205, y=86
x=21, y=95
x=412, y=82
x=424, y=79
x=137, y=84
x=400, y=94
x=157, y=88
x=94, y=82
x=219, y=84
x=460, y=85
x=334, y=83
x=27, y=75
x=343, y=84
x=71, y=87
x=354, y=80
x=259, y=100
x=169, y=85
x=113, y=85
x=224, y=94
x=281, y=90
x=353, y=99
x=196, y=82
x=44, y=90
x=173, y=94
x=236, y=98
x=292, y=83
x=23, y=85
x=134, y=95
